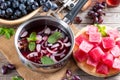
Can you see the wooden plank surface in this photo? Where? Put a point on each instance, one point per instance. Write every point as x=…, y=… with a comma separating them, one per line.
x=111, y=19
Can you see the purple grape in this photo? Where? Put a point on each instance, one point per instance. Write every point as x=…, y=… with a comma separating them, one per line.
x=95, y=14
x=77, y=20
x=91, y=12
x=94, y=8
x=104, y=4
x=100, y=12
x=101, y=6
x=100, y=19
x=4, y=69
x=95, y=20
x=11, y=66
x=68, y=73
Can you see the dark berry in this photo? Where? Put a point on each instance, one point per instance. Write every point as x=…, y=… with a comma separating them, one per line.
x=100, y=19
x=15, y=4
x=13, y=17
x=101, y=6
x=90, y=13
x=1, y=1
x=94, y=8
x=17, y=13
x=95, y=14
x=48, y=4
x=4, y=69
x=22, y=7
x=11, y=66
x=54, y=6
x=42, y=2
x=2, y=13
x=35, y=5
x=22, y=1
x=9, y=11
x=95, y=20
x=8, y=3
x=45, y=9
x=30, y=2
x=68, y=73
x=3, y=5
x=77, y=20
x=104, y=4
x=24, y=12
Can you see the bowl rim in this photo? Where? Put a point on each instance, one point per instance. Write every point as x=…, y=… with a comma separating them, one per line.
x=52, y=19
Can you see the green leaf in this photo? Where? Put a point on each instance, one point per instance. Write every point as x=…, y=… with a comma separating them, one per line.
x=46, y=60
x=17, y=78
x=102, y=29
x=1, y=31
x=12, y=31
x=8, y=32
x=54, y=37
x=31, y=46
x=32, y=37
x=7, y=35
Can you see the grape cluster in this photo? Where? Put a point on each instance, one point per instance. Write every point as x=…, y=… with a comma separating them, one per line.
x=14, y=9
x=97, y=12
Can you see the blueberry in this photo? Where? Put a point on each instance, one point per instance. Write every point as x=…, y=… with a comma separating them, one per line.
x=24, y=12
x=54, y=6
x=2, y=13
x=17, y=13
x=8, y=3
x=45, y=9
x=1, y=1
x=3, y=5
x=22, y=1
x=6, y=16
x=13, y=17
x=30, y=2
x=35, y=5
x=9, y=11
x=42, y=2
x=15, y=4
x=48, y=4
x=29, y=8
x=22, y=7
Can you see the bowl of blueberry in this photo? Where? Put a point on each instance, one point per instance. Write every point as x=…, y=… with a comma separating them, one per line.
x=44, y=44
x=14, y=12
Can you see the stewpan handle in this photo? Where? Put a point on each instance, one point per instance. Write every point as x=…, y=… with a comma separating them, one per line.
x=72, y=14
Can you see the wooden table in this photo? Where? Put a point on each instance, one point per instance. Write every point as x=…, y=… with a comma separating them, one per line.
x=111, y=19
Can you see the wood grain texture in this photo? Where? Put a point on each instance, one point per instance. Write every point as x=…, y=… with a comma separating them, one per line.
x=111, y=19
